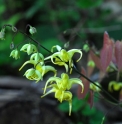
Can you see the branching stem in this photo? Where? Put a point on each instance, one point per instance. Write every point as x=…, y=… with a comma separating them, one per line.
x=74, y=65
x=29, y=38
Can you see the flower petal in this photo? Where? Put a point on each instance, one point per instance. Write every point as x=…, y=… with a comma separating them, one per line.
x=55, y=79
x=24, y=48
x=50, y=91
x=72, y=51
x=61, y=63
x=47, y=69
x=15, y=54
x=27, y=62
x=38, y=57
x=70, y=107
x=77, y=81
x=57, y=47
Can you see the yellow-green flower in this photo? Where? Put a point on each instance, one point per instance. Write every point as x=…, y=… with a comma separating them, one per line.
x=33, y=74
x=60, y=87
x=37, y=57
x=61, y=63
x=57, y=47
x=94, y=87
x=15, y=54
x=29, y=48
x=62, y=57
x=44, y=69
x=113, y=85
x=61, y=95
x=40, y=67
x=64, y=83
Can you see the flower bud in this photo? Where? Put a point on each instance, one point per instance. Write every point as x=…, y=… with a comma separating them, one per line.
x=66, y=45
x=91, y=64
x=32, y=30
x=86, y=47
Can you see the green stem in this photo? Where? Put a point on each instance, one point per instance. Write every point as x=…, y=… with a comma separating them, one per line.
x=35, y=41
x=29, y=38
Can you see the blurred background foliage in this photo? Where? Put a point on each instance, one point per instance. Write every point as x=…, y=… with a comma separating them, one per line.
x=56, y=22
x=81, y=112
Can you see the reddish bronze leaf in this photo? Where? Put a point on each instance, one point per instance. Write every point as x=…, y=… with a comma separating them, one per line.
x=106, y=56
x=96, y=60
x=106, y=52
x=86, y=86
x=106, y=39
x=120, y=97
x=118, y=54
x=90, y=99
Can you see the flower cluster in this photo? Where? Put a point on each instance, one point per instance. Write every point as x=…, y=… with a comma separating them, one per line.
x=59, y=86
x=62, y=57
x=37, y=59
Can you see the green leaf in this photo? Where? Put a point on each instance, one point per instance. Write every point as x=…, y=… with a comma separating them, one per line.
x=77, y=104
x=45, y=32
x=97, y=118
x=38, y=6
x=87, y=111
x=2, y=9
x=88, y=3
x=64, y=106
x=14, y=19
